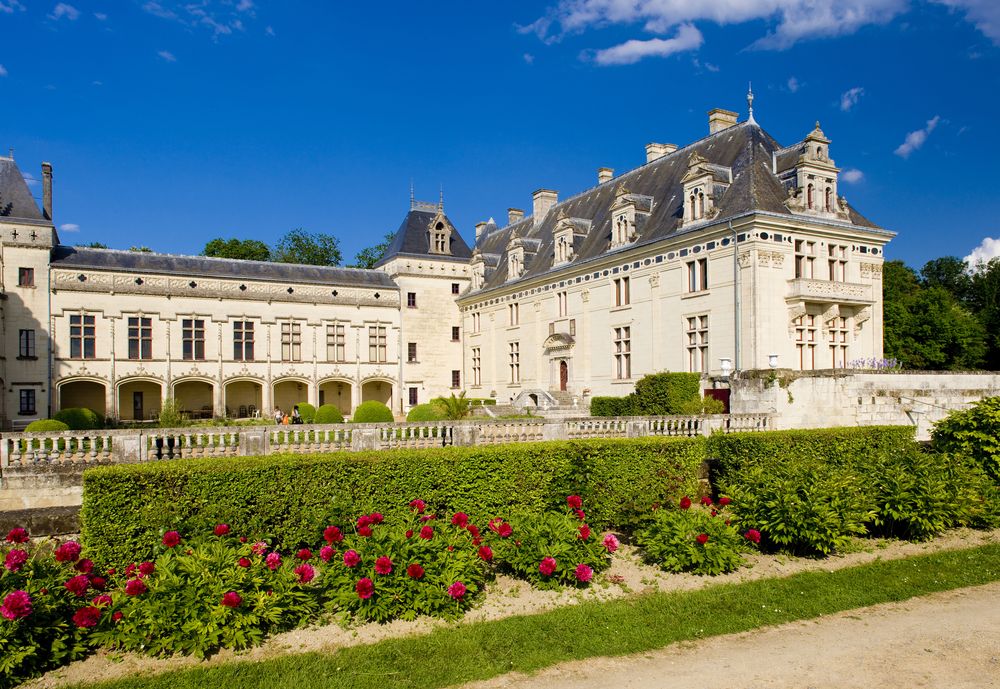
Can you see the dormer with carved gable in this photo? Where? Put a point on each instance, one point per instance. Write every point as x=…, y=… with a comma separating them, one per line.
x=568, y=233
x=704, y=185
x=811, y=178
x=439, y=235
x=478, y=267
x=628, y=216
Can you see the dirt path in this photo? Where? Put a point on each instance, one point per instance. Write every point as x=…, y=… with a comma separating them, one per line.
x=949, y=639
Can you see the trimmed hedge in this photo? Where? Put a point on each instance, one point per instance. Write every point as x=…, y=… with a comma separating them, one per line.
x=425, y=412
x=45, y=426
x=80, y=418
x=372, y=412
x=328, y=413
x=290, y=498
x=973, y=432
x=611, y=406
x=307, y=412
x=658, y=394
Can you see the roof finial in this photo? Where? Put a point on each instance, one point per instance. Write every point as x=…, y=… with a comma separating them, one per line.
x=750, y=102
x=412, y=201
x=441, y=201
x=11, y=153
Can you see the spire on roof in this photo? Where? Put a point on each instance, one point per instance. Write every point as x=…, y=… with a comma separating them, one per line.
x=412, y=201
x=750, y=103
x=441, y=200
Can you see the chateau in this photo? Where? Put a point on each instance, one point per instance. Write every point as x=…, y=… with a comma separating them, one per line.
x=732, y=252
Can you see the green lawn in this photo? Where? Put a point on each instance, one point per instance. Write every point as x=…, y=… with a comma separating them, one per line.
x=466, y=652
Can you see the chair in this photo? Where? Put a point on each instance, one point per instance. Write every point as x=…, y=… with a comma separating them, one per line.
x=254, y=412
x=243, y=411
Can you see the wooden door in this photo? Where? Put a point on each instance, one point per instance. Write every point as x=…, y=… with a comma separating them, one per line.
x=563, y=375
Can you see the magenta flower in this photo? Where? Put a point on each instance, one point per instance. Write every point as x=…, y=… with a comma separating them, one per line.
x=583, y=573
x=17, y=535
x=326, y=552
x=87, y=617
x=171, y=539
x=273, y=561
x=457, y=590
x=460, y=519
x=68, y=552
x=78, y=585
x=231, y=599
x=135, y=587
x=15, y=560
x=383, y=565
x=547, y=566
x=305, y=572
x=221, y=529
x=364, y=588
x=610, y=543
x=259, y=548
x=351, y=558
x=16, y=605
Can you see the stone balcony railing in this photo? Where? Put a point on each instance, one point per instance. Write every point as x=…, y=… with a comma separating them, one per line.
x=804, y=289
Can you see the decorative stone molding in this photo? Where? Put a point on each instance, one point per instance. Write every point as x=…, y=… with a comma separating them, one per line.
x=828, y=291
x=585, y=296
x=654, y=281
x=860, y=317
x=871, y=270
x=745, y=259
x=795, y=311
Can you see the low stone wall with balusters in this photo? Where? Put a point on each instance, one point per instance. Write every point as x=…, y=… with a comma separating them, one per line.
x=46, y=469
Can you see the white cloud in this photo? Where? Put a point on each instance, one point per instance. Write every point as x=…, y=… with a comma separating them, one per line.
x=100, y=16
x=167, y=56
x=793, y=84
x=97, y=83
x=852, y=175
x=269, y=31
x=688, y=38
x=988, y=249
x=158, y=10
x=915, y=140
x=244, y=6
x=984, y=14
x=850, y=98
x=9, y=6
x=3, y=71
x=69, y=227
x=529, y=58
x=63, y=10
x=222, y=17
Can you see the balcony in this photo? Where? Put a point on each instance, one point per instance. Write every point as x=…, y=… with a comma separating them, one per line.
x=825, y=291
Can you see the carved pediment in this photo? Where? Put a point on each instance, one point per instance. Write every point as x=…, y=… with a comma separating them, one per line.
x=557, y=341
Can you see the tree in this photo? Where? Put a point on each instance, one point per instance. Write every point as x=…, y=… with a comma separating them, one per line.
x=949, y=272
x=243, y=249
x=299, y=246
x=984, y=301
x=141, y=249
x=369, y=256
x=93, y=245
x=453, y=408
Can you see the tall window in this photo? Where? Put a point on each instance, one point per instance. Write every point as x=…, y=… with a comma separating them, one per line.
x=805, y=259
x=514, y=312
x=81, y=337
x=805, y=341
x=25, y=277
x=26, y=344
x=376, y=344
x=697, y=275
x=413, y=397
x=809, y=196
x=454, y=288
x=243, y=340
x=562, y=300
x=829, y=199
x=622, y=352
x=477, y=363
x=411, y=352
x=140, y=337
x=456, y=379
x=439, y=239
x=411, y=299
x=336, y=342
x=291, y=341
x=27, y=405
x=476, y=319
x=455, y=333
x=193, y=339
x=697, y=343
x=623, y=295
x=514, y=357
x=838, y=342
x=838, y=263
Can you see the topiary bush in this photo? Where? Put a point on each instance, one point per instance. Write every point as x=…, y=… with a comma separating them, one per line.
x=328, y=413
x=45, y=426
x=661, y=394
x=80, y=418
x=611, y=406
x=307, y=412
x=372, y=412
x=973, y=433
x=425, y=412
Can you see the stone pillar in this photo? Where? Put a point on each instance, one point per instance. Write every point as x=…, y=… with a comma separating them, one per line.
x=465, y=435
x=554, y=430
x=255, y=443
x=363, y=439
x=128, y=449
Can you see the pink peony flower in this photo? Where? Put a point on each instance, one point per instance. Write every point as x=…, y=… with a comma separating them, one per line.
x=259, y=548
x=16, y=605
x=474, y=530
x=457, y=590
x=427, y=532
x=363, y=521
x=305, y=572
x=68, y=552
x=703, y=538
x=351, y=558
x=171, y=539
x=87, y=617
x=460, y=519
x=117, y=617
x=135, y=587
x=304, y=554
x=326, y=552
x=103, y=599
x=376, y=517
x=583, y=573
x=547, y=566
x=486, y=553
x=332, y=534
x=243, y=562
x=98, y=583
x=17, y=535
x=231, y=599
x=273, y=561
x=15, y=560
x=84, y=566
x=427, y=517
x=610, y=543
x=383, y=565
x=580, y=514
x=685, y=502
x=505, y=530
x=575, y=501
x=418, y=506
x=724, y=501
x=78, y=585
x=409, y=533
x=705, y=500
x=584, y=532
x=221, y=529
x=753, y=535
x=146, y=568
x=365, y=588
x=130, y=570
x=415, y=571
x=365, y=532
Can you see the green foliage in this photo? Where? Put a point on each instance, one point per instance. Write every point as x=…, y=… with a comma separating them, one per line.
x=370, y=255
x=372, y=412
x=170, y=414
x=658, y=394
x=611, y=406
x=80, y=418
x=292, y=497
x=482, y=401
x=671, y=540
x=242, y=249
x=141, y=249
x=315, y=249
x=453, y=408
x=328, y=413
x=425, y=412
x=307, y=412
x=703, y=405
x=46, y=426
x=93, y=245
x=973, y=433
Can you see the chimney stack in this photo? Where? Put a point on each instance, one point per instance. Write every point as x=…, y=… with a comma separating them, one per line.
x=480, y=228
x=47, y=190
x=719, y=119
x=514, y=215
x=605, y=174
x=543, y=200
x=655, y=151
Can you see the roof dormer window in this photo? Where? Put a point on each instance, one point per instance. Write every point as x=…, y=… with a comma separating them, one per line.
x=704, y=184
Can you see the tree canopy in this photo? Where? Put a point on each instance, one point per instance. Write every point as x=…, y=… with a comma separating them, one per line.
x=93, y=245
x=243, y=249
x=369, y=256
x=299, y=246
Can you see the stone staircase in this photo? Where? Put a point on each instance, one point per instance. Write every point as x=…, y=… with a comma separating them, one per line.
x=552, y=404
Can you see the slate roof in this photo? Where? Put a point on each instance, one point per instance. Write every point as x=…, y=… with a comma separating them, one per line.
x=15, y=197
x=203, y=266
x=411, y=237
x=745, y=148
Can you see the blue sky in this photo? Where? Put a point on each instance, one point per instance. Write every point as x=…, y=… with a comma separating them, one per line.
x=170, y=123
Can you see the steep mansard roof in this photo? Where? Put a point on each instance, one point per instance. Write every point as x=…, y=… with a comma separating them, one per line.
x=745, y=148
x=15, y=197
x=412, y=239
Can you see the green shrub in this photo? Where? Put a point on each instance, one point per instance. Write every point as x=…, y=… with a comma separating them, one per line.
x=170, y=414
x=692, y=538
x=454, y=408
x=661, y=394
x=482, y=401
x=80, y=418
x=45, y=426
x=372, y=412
x=290, y=497
x=611, y=406
x=425, y=412
x=973, y=433
x=702, y=405
x=328, y=413
x=307, y=412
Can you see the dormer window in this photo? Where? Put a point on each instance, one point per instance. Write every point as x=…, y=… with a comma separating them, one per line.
x=812, y=182
x=439, y=239
x=563, y=247
x=628, y=213
x=704, y=184
x=696, y=205
x=515, y=258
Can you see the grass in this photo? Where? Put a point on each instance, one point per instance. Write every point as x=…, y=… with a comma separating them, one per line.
x=475, y=651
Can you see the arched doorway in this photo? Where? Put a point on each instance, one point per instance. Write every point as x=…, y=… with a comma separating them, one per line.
x=378, y=390
x=85, y=394
x=288, y=393
x=338, y=393
x=243, y=398
x=139, y=400
x=563, y=375
x=195, y=398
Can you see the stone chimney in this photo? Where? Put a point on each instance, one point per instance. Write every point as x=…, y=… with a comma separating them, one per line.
x=720, y=119
x=655, y=151
x=480, y=228
x=543, y=200
x=514, y=215
x=605, y=174
x=47, y=190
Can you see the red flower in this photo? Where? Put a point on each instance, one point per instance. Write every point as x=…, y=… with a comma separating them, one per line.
x=460, y=519
x=715, y=513
x=221, y=529
x=15, y=560
x=243, y=539
x=724, y=501
x=383, y=565
x=426, y=533
x=326, y=552
x=365, y=588
x=84, y=566
x=78, y=585
x=477, y=541
x=409, y=533
x=376, y=517
x=752, y=535
x=130, y=570
x=451, y=548
x=457, y=590
x=146, y=568
x=259, y=548
x=117, y=616
x=304, y=554
x=135, y=587
x=486, y=553
x=103, y=599
x=547, y=566
x=427, y=517
x=68, y=552
x=574, y=501
x=273, y=561
x=171, y=539
x=87, y=617
x=17, y=535
x=584, y=532
x=363, y=521
x=415, y=571
x=583, y=573
x=705, y=500
x=703, y=538
x=365, y=531
x=580, y=515
x=305, y=572
x=16, y=605
x=418, y=506
x=505, y=530
x=98, y=583
x=685, y=502
x=243, y=562
x=331, y=535
x=474, y=530
x=351, y=558
x=231, y=599
x=111, y=571
x=610, y=543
